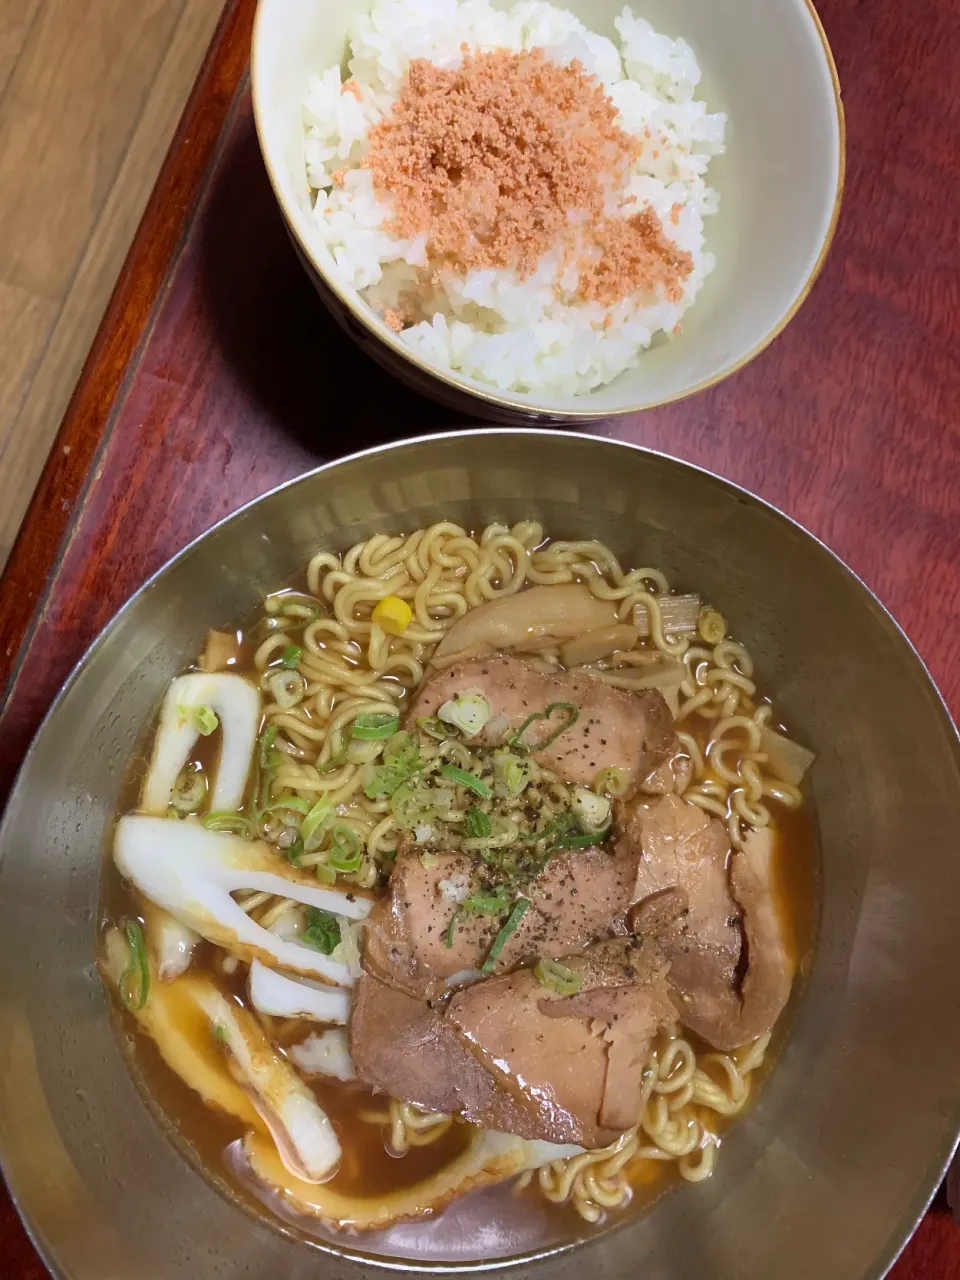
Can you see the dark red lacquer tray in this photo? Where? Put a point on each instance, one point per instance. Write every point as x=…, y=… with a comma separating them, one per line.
x=199, y=393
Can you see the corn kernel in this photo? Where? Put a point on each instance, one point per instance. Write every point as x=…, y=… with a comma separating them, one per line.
x=393, y=615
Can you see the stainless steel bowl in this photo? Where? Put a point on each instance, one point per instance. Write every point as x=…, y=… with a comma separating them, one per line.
x=824, y=1177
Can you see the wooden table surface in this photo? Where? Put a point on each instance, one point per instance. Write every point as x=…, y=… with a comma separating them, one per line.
x=200, y=393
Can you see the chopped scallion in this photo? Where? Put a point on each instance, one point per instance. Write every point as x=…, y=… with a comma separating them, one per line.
x=503, y=937
x=234, y=824
x=464, y=779
x=269, y=758
x=451, y=927
x=476, y=823
x=291, y=656
x=580, y=839
x=322, y=931
x=487, y=904
x=315, y=821
x=573, y=715
x=346, y=848
x=369, y=728
x=558, y=977
x=189, y=790
x=511, y=771
x=293, y=852
x=433, y=727
x=294, y=803
x=203, y=719
x=135, y=979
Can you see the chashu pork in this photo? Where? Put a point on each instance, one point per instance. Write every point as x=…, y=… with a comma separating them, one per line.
x=615, y=729
x=581, y=895
x=730, y=968
x=512, y=1055
x=574, y=1062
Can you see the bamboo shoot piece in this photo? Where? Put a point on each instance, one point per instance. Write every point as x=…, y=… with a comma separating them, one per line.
x=786, y=759
x=679, y=615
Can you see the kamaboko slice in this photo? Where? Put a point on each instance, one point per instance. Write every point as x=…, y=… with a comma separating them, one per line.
x=191, y=872
x=283, y=997
x=304, y=1137
x=236, y=704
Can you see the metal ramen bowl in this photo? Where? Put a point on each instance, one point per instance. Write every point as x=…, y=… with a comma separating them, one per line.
x=825, y=1175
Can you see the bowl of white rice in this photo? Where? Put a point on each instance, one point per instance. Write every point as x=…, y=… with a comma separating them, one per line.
x=548, y=212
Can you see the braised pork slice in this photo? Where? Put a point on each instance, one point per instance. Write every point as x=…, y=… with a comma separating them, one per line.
x=766, y=985
x=632, y=732
x=730, y=918
x=681, y=848
x=402, y=1047
x=576, y=1060
x=581, y=895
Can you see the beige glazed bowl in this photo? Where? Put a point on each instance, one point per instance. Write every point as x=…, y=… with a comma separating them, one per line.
x=826, y=1174
x=766, y=63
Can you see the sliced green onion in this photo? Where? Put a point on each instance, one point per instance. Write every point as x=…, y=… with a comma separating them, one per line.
x=135, y=980
x=385, y=781
x=429, y=860
x=269, y=758
x=611, y=782
x=476, y=823
x=293, y=852
x=316, y=820
x=403, y=751
x=369, y=728
x=326, y=874
x=464, y=779
x=572, y=718
x=500, y=941
x=346, y=848
x=409, y=805
x=322, y=931
x=291, y=656
x=556, y=976
x=580, y=839
x=288, y=688
x=562, y=824
x=189, y=791
x=593, y=811
x=511, y=771
x=296, y=804
x=451, y=927
x=204, y=719
x=401, y=760
x=235, y=824
x=487, y=904
x=433, y=727
x=469, y=712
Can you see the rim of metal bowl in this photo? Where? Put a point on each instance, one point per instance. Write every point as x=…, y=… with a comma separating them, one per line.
x=504, y=400
x=941, y=1161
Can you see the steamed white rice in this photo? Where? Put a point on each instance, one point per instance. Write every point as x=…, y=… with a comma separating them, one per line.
x=533, y=334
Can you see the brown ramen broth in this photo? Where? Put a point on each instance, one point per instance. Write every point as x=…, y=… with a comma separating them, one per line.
x=373, y=741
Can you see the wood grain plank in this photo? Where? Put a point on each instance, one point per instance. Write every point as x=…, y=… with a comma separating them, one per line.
x=24, y=446
x=16, y=21
x=54, y=106
x=25, y=321
x=91, y=412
